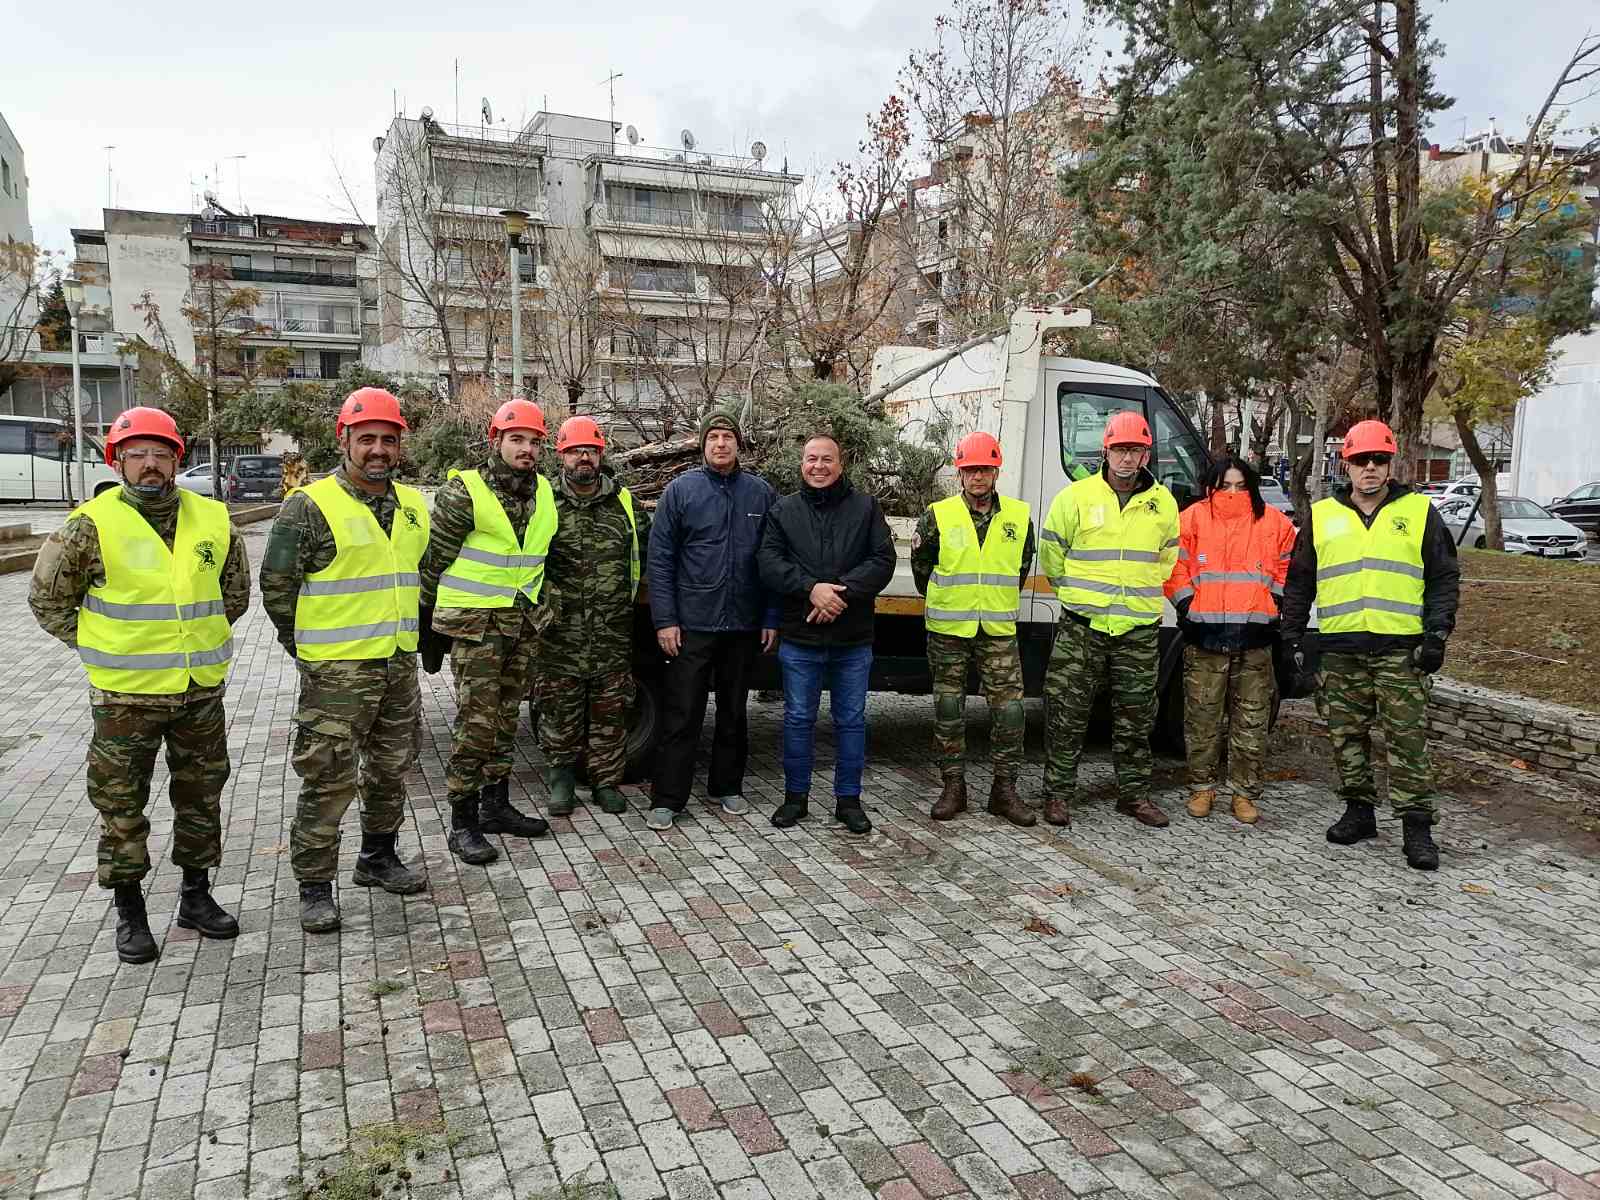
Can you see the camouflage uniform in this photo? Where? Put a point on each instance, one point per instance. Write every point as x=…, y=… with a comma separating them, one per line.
x=1081, y=660
x=1227, y=694
x=586, y=655
x=492, y=650
x=129, y=729
x=1354, y=691
x=357, y=721
x=950, y=658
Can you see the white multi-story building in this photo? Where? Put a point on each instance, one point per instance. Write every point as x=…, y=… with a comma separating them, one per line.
x=15, y=230
x=642, y=283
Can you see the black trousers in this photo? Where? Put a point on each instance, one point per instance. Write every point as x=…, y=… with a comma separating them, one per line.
x=706, y=662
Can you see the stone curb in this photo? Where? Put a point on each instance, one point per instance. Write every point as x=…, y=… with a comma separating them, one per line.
x=22, y=560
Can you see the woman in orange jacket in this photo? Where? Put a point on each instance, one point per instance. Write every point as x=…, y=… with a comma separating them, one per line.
x=1233, y=557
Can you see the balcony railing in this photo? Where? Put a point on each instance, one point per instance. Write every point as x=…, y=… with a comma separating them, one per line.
x=647, y=214
x=661, y=349
x=315, y=278
x=313, y=325
x=654, y=281
x=738, y=222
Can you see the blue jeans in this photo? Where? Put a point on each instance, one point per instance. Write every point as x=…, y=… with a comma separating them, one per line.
x=843, y=670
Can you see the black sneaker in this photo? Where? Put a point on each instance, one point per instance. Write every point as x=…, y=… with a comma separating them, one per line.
x=791, y=811
x=1421, y=853
x=1358, y=824
x=849, y=813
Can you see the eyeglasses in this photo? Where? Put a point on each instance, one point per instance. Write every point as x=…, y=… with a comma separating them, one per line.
x=582, y=451
x=1126, y=451
x=156, y=456
x=1370, y=460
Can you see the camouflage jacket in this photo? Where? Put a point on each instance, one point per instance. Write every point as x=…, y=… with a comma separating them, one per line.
x=69, y=563
x=301, y=543
x=586, y=582
x=451, y=524
x=925, y=545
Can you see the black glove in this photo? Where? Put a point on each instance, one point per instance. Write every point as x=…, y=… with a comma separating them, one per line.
x=1429, y=656
x=1294, y=650
x=431, y=646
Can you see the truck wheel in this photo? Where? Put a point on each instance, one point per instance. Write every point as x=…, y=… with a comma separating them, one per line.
x=644, y=729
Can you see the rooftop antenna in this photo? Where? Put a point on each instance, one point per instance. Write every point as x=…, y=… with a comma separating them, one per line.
x=108, y=150
x=238, y=188
x=458, y=91
x=611, y=85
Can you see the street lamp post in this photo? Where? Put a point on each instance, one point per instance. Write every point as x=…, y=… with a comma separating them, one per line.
x=72, y=293
x=516, y=224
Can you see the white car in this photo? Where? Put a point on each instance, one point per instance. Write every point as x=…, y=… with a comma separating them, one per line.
x=198, y=479
x=1527, y=528
x=1273, y=495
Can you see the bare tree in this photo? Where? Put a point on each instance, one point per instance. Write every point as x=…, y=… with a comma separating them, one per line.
x=24, y=269
x=572, y=323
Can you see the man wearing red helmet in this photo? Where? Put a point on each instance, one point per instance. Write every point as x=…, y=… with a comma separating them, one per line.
x=586, y=655
x=1381, y=568
x=970, y=556
x=1109, y=543
x=340, y=582
x=481, y=583
x=145, y=582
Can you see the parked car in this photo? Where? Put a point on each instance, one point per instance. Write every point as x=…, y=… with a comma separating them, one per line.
x=255, y=477
x=197, y=479
x=1272, y=492
x=1528, y=528
x=1581, y=506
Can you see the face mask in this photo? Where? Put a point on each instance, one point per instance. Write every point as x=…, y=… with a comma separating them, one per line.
x=1230, y=504
x=148, y=491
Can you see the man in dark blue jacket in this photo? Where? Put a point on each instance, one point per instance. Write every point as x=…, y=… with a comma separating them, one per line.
x=711, y=614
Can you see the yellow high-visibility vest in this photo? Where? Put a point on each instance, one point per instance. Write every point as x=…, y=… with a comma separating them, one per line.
x=364, y=603
x=1370, y=580
x=976, y=585
x=158, y=624
x=633, y=563
x=493, y=568
x=1108, y=562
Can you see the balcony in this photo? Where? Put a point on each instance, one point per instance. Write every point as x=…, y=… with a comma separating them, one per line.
x=737, y=222
x=682, y=283
x=312, y=278
x=646, y=347
x=646, y=214
x=319, y=326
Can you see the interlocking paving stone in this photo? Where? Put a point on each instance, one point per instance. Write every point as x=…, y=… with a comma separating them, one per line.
x=729, y=1012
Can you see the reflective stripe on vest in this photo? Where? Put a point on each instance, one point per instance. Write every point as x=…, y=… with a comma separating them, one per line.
x=1118, y=557
x=362, y=605
x=1370, y=580
x=158, y=625
x=975, y=586
x=492, y=567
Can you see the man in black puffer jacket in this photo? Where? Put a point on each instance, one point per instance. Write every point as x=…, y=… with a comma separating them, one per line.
x=827, y=552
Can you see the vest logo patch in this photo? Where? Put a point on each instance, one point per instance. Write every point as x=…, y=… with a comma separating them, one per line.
x=411, y=517
x=1009, y=530
x=206, y=552
x=1401, y=525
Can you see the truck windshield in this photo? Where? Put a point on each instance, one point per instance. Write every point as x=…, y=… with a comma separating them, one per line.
x=1178, y=459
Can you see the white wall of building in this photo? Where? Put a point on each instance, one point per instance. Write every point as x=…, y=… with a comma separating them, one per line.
x=1557, y=442
x=14, y=223
x=148, y=252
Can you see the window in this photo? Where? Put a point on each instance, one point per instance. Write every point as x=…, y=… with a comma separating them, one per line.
x=280, y=263
x=5, y=176
x=323, y=266
x=1179, y=459
x=240, y=262
x=1083, y=417
x=13, y=437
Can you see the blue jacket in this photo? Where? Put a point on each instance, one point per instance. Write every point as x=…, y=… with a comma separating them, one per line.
x=703, y=544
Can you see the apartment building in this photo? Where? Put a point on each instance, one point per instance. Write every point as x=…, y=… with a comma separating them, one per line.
x=15, y=229
x=644, y=285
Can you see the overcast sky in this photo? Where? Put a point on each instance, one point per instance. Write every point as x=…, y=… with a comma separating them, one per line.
x=300, y=89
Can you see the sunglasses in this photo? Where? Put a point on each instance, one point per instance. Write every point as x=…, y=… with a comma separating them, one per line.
x=1371, y=460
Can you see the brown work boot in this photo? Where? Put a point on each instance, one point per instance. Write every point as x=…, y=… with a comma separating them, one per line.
x=952, y=800
x=1200, y=802
x=1244, y=810
x=1143, y=810
x=1057, y=810
x=1004, y=802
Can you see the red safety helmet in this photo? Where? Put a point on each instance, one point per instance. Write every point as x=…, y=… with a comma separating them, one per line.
x=579, y=431
x=1368, y=437
x=368, y=404
x=1127, y=428
x=142, y=423
x=517, y=414
x=978, y=450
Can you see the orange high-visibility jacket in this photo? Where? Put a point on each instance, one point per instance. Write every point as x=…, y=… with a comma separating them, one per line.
x=1231, y=570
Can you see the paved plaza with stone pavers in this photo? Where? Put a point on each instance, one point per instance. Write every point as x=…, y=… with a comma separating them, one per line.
x=964, y=1009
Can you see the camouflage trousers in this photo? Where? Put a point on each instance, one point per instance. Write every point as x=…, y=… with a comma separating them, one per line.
x=356, y=730
x=1356, y=691
x=586, y=712
x=1081, y=661
x=1000, y=678
x=491, y=679
x=122, y=758
x=1227, y=696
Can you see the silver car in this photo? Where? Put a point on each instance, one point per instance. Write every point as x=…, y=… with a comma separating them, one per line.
x=197, y=479
x=1528, y=529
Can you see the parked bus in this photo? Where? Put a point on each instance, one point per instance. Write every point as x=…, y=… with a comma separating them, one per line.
x=37, y=461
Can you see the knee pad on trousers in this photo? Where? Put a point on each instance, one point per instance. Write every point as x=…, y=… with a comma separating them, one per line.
x=948, y=707
x=1010, y=715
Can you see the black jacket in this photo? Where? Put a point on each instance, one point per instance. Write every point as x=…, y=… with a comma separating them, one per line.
x=827, y=535
x=1441, y=585
x=703, y=542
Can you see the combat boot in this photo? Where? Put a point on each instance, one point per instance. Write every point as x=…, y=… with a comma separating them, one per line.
x=952, y=800
x=466, y=841
x=1245, y=811
x=496, y=815
x=1421, y=853
x=1358, y=824
x=609, y=799
x=791, y=811
x=1004, y=802
x=1057, y=810
x=1143, y=810
x=318, y=913
x=198, y=911
x=848, y=812
x=1200, y=802
x=379, y=866
x=563, y=785
x=134, y=943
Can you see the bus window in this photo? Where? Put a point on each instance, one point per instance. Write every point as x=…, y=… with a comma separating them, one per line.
x=13, y=437
x=49, y=443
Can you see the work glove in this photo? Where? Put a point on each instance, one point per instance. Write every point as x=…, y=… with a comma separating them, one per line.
x=1294, y=650
x=1429, y=656
x=431, y=646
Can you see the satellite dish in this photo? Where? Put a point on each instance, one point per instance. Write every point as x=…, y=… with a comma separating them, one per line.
x=488, y=113
x=61, y=400
x=758, y=151
x=687, y=138
x=377, y=144
x=427, y=113
x=633, y=136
